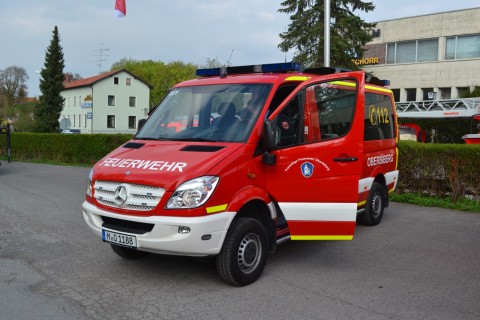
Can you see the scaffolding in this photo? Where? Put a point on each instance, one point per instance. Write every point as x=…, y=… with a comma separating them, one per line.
x=452, y=108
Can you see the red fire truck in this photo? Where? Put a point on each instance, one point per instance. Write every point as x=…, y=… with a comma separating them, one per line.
x=244, y=158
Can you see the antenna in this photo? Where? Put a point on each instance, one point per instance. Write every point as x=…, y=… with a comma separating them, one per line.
x=228, y=62
x=101, y=53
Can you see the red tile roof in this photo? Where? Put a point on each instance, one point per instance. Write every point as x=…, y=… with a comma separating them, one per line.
x=89, y=81
x=92, y=80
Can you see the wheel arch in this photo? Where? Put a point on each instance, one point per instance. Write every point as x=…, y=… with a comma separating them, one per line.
x=380, y=178
x=254, y=202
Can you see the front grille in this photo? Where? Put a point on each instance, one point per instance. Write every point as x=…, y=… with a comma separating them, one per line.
x=135, y=197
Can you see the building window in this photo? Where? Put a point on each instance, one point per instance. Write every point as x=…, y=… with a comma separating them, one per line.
x=115, y=80
x=405, y=52
x=427, y=50
x=445, y=93
x=74, y=120
x=411, y=94
x=132, y=102
x=85, y=121
x=396, y=94
x=111, y=100
x=462, y=47
x=132, y=122
x=428, y=94
x=128, y=81
x=412, y=51
x=463, y=91
x=74, y=101
x=110, y=121
x=79, y=120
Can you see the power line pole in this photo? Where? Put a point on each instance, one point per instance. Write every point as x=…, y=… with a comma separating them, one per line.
x=101, y=53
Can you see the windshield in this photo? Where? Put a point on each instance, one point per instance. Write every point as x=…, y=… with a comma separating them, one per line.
x=207, y=113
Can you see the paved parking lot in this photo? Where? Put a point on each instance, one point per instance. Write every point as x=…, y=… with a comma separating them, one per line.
x=419, y=263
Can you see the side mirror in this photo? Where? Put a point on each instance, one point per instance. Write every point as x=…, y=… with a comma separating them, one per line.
x=141, y=122
x=269, y=135
x=269, y=138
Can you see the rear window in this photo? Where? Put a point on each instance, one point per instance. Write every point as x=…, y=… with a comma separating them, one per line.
x=379, y=118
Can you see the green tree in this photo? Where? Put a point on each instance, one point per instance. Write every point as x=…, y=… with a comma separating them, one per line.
x=13, y=88
x=213, y=63
x=47, y=111
x=348, y=32
x=162, y=76
x=24, y=111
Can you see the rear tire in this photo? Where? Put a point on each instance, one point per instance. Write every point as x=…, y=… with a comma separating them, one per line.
x=374, y=207
x=127, y=253
x=244, y=252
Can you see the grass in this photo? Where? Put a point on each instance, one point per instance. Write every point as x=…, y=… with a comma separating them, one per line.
x=424, y=201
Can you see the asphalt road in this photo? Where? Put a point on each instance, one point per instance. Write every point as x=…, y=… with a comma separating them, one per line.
x=419, y=263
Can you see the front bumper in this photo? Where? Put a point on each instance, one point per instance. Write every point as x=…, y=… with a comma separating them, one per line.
x=164, y=237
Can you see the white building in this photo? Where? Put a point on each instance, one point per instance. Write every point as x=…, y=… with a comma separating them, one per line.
x=111, y=102
x=428, y=57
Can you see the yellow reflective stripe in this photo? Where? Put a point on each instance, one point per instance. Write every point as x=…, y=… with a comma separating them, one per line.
x=396, y=162
x=345, y=83
x=297, y=78
x=361, y=203
x=378, y=89
x=219, y=208
x=321, y=237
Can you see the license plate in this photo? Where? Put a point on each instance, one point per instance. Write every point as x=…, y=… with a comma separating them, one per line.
x=121, y=239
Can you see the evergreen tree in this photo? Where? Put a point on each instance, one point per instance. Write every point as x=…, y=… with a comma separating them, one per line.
x=47, y=111
x=348, y=33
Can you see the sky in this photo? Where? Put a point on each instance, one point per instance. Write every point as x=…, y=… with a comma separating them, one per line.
x=240, y=32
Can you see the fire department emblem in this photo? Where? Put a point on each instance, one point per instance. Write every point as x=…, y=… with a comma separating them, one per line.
x=307, y=169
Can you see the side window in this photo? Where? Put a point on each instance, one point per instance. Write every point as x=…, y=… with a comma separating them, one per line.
x=288, y=123
x=379, y=120
x=322, y=111
x=329, y=110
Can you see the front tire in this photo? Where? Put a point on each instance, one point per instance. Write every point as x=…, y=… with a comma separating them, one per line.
x=244, y=252
x=127, y=253
x=374, y=207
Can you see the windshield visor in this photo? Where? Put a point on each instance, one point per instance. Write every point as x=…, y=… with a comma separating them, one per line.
x=224, y=113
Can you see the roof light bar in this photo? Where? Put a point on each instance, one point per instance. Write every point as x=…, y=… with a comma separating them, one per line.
x=260, y=68
x=325, y=70
x=376, y=81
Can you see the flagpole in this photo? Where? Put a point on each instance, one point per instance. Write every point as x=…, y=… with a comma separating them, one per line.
x=326, y=34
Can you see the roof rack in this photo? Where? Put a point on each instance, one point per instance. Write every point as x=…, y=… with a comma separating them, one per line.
x=258, y=68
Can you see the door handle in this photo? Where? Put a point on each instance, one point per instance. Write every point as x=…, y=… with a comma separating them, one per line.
x=346, y=159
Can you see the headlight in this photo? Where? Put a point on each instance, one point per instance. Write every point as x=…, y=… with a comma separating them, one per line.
x=193, y=193
x=89, y=184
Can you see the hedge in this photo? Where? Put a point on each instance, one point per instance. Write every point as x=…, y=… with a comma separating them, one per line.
x=426, y=169
x=62, y=148
x=439, y=169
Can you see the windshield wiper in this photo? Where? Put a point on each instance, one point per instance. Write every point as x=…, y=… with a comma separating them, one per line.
x=151, y=138
x=195, y=139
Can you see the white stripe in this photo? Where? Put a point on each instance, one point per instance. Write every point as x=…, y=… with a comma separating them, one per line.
x=319, y=211
x=365, y=184
x=392, y=176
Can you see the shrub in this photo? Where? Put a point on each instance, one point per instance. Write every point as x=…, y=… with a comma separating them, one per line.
x=439, y=169
x=63, y=148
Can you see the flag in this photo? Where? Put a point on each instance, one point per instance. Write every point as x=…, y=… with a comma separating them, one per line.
x=120, y=8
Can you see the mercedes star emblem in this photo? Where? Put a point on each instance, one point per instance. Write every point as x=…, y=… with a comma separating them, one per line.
x=120, y=195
